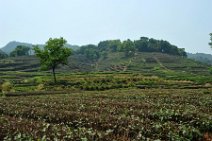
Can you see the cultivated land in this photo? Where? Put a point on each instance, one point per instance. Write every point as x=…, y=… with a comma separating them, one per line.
x=125, y=114
x=150, y=96
x=106, y=106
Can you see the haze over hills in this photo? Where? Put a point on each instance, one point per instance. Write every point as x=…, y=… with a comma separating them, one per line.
x=201, y=57
x=13, y=44
x=143, y=55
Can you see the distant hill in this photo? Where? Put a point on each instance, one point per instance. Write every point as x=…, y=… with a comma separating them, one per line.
x=13, y=44
x=144, y=55
x=201, y=57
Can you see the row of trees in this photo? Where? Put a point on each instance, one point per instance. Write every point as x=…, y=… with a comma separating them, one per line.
x=144, y=44
x=94, y=52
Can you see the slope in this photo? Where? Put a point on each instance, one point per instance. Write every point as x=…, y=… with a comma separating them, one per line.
x=141, y=62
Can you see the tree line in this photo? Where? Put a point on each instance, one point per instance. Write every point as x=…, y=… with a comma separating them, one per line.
x=130, y=48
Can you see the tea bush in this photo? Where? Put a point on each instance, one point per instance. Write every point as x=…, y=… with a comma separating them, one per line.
x=6, y=87
x=124, y=114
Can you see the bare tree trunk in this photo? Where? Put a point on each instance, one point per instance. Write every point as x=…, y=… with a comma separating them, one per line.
x=54, y=75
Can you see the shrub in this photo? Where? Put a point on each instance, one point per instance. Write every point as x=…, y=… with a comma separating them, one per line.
x=34, y=80
x=40, y=87
x=6, y=87
x=38, y=80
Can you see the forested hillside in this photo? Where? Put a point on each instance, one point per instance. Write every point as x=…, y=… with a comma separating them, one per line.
x=115, y=55
x=130, y=48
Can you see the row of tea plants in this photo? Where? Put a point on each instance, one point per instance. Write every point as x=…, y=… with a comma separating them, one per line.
x=124, y=114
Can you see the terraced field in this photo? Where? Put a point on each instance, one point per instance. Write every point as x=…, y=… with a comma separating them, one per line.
x=28, y=82
x=116, y=62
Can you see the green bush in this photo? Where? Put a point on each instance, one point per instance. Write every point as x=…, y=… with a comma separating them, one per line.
x=40, y=87
x=34, y=80
x=6, y=87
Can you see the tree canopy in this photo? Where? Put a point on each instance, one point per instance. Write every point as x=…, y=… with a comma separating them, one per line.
x=90, y=51
x=110, y=45
x=129, y=47
x=20, y=51
x=53, y=54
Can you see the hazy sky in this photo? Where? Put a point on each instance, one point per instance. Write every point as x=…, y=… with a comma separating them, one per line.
x=185, y=23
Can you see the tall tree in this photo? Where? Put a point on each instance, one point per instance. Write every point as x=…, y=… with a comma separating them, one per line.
x=129, y=48
x=110, y=45
x=90, y=51
x=53, y=54
x=142, y=44
x=211, y=40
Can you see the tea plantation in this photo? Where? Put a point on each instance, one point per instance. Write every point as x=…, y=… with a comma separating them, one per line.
x=105, y=106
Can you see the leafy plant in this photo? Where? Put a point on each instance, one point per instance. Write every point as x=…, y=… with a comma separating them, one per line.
x=6, y=87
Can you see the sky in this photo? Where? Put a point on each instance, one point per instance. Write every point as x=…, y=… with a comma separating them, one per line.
x=184, y=23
